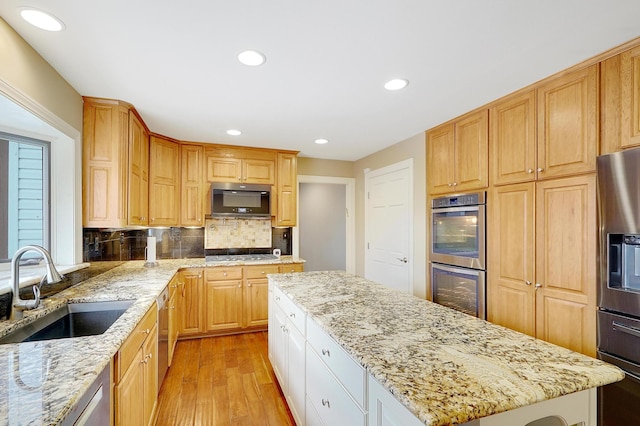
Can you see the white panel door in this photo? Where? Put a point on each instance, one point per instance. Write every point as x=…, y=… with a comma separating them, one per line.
x=389, y=225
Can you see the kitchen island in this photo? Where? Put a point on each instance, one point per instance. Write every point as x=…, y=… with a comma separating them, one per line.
x=42, y=381
x=443, y=366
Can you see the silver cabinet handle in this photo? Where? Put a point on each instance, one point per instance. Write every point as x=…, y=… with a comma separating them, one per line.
x=539, y=169
x=292, y=315
x=326, y=352
x=402, y=259
x=325, y=403
x=529, y=171
x=527, y=282
x=538, y=285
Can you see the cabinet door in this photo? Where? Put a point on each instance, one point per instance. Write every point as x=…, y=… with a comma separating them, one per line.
x=138, y=172
x=223, y=305
x=256, y=302
x=440, y=159
x=278, y=343
x=129, y=404
x=510, y=294
x=164, y=186
x=566, y=263
x=471, y=163
x=223, y=169
x=568, y=124
x=190, y=309
x=287, y=189
x=630, y=102
x=296, y=371
x=150, y=358
x=192, y=198
x=384, y=408
x=104, y=162
x=259, y=171
x=513, y=139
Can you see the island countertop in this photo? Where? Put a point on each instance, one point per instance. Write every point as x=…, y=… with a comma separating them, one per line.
x=43, y=380
x=446, y=367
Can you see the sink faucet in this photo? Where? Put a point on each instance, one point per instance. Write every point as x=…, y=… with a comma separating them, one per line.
x=52, y=276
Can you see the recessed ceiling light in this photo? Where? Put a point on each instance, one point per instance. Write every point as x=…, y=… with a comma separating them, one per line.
x=251, y=58
x=321, y=141
x=234, y=132
x=396, y=84
x=40, y=19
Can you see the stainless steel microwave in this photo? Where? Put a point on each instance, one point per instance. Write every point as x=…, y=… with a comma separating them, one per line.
x=240, y=200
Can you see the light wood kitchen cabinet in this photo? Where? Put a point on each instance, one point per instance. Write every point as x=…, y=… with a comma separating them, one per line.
x=511, y=255
x=287, y=190
x=567, y=121
x=256, y=294
x=164, y=182
x=620, y=101
x=547, y=291
x=457, y=154
x=513, y=139
x=566, y=230
x=105, y=163
x=225, y=164
x=191, y=305
x=223, y=299
x=291, y=267
x=193, y=191
x=138, y=213
x=136, y=374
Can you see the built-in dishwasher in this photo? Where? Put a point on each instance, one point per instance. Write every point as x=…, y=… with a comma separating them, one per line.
x=93, y=408
x=163, y=335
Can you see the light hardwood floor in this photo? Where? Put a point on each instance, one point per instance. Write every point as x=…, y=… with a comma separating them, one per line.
x=225, y=380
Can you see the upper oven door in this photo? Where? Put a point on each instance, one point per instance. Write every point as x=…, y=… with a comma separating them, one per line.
x=458, y=236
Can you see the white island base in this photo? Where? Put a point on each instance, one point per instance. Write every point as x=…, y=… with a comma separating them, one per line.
x=576, y=409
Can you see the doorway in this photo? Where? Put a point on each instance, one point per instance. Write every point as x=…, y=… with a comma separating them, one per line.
x=325, y=234
x=389, y=226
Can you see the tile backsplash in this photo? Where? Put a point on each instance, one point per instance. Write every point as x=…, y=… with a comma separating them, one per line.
x=180, y=243
x=237, y=233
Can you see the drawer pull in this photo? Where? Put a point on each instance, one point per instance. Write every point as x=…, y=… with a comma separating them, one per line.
x=262, y=272
x=147, y=331
x=224, y=274
x=326, y=352
x=292, y=314
x=325, y=403
x=277, y=297
x=626, y=329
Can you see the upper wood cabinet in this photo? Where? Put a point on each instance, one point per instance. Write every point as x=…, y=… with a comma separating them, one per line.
x=513, y=139
x=193, y=192
x=164, y=184
x=457, y=155
x=286, y=190
x=620, y=101
x=227, y=164
x=568, y=124
x=115, y=165
x=138, y=172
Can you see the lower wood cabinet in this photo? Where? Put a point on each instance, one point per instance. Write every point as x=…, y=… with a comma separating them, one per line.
x=190, y=305
x=136, y=374
x=172, y=337
x=223, y=299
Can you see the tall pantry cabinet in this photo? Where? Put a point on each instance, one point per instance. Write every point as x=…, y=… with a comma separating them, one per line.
x=542, y=211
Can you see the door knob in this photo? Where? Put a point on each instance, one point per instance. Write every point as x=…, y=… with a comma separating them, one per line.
x=403, y=259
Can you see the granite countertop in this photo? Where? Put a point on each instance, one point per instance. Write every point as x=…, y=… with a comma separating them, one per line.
x=446, y=367
x=43, y=380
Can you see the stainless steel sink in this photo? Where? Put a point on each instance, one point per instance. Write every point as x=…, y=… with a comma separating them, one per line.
x=71, y=320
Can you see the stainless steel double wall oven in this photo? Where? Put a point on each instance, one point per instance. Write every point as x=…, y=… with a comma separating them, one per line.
x=457, y=252
x=619, y=284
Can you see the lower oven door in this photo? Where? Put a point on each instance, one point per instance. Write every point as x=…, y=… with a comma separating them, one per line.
x=462, y=289
x=618, y=402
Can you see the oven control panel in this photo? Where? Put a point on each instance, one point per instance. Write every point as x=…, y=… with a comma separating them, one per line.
x=459, y=200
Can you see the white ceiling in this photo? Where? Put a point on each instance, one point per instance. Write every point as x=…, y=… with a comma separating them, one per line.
x=326, y=61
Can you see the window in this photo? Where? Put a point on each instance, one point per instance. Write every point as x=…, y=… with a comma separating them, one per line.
x=24, y=194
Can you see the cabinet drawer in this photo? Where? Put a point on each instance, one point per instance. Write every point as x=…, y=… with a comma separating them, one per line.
x=291, y=267
x=296, y=315
x=351, y=374
x=260, y=271
x=330, y=400
x=130, y=347
x=224, y=273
